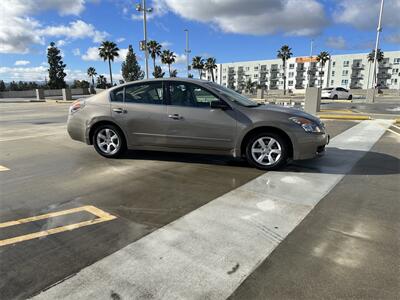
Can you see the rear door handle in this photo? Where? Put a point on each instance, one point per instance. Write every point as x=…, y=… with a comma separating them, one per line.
x=119, y=110
x=175, y=117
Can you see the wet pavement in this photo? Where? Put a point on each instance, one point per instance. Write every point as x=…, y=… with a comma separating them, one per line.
x=48, y=172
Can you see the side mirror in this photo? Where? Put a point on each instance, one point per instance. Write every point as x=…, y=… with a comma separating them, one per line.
x=219, y=104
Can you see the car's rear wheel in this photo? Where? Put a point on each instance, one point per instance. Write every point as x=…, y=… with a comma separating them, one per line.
x=350, y=97
x=109, y=141
x=335, y=97
x=267, y=151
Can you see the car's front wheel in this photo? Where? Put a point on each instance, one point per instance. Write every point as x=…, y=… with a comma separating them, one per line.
x=267, y=151
x=109, y=141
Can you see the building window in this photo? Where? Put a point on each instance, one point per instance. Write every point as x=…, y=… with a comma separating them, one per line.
x=291, y=74
x=290, y=82
x=345, y=72
x=255, y=76
x=346, y=63
x=224, y=70
x=256, y=68
x=291, y=66
x=345, y=82
x=247, y=68
x=332, y=82
x=396, y=61
x=224, y=77
x=333, y=63
x=333, y=73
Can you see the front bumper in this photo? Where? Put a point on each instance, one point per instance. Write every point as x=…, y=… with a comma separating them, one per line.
x=313, y=145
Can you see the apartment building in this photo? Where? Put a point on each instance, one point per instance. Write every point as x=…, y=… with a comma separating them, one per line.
x=352, y=71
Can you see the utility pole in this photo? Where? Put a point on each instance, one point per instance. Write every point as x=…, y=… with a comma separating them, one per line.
x=378, y=32
x=309, y=64
x=142, y=8
x=187, y=51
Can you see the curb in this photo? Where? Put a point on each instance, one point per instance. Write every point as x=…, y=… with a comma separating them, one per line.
x=345, y=117
x=64, y=101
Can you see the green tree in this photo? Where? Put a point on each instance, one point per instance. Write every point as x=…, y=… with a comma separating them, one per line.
x=91, y=72
x=158, y=73
x=80, y=84
x=249, y=86
x=284, y=54
x=190, y=76
x=56, y=68
x=371, y=58
x=101, y=82
x=2, y=86
x=210, y=66
x=174, y=73
x=130, y=68
x=108, y=51
x=322, y=58
x=154, y=49
x=168, y=58
x=198, y=64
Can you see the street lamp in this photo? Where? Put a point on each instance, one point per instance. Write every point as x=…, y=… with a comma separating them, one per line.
x=378, y=31
x=187, y=51
x=142, y=8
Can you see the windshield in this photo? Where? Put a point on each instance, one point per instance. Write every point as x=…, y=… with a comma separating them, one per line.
x=233, y=96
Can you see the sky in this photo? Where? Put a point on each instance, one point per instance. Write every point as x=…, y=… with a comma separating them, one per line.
x=229, y=30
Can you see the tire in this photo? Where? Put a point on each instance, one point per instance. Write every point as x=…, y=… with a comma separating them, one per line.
x=109, y=141
x=274, y=157
x=350, y=97
x=335, y=97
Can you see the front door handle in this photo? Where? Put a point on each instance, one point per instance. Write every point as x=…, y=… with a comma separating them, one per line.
x=119, y=110
x=175, y=117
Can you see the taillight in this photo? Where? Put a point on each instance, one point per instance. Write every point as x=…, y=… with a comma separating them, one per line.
x=77, y=105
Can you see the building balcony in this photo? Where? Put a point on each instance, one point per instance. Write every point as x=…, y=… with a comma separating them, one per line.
x=385, y=65
x=356, y=86
x=384, y=75
x=357, y=66
x=300, y=69
x=357, y=76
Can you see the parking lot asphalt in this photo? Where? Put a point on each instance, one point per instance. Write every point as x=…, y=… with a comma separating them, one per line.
x=143, y=191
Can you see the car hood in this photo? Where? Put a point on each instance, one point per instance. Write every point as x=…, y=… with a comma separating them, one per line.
x=291, y=112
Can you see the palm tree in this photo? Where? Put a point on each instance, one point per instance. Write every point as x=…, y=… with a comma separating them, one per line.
x=249, y=86
x=284, y=53
x=174, y=73
x=168, y=58
x=91, y=72
x=154, y=49
x=108, y=51
x=198, y=63
x=371, y=58
x=210, y=65
x=322, y=58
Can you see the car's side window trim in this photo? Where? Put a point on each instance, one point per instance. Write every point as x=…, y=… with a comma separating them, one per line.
x=163, y=98
x=168, y=90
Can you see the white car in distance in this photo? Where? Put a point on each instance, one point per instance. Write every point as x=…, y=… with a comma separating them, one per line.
x=336, y=93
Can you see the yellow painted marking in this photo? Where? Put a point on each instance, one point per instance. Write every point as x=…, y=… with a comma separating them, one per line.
x=3, y=168
x=101, y=215
x=397, y=121
x=337, y=111
x=344, y=117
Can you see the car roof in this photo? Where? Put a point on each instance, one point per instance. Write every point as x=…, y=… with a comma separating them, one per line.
x=181, y=79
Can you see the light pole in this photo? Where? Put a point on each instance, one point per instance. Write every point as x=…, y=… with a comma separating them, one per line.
x=187, y=51
x=142, y=8
x=309, y=64
x=378, y=32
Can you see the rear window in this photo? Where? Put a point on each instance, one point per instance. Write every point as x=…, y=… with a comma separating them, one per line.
x=327, y=89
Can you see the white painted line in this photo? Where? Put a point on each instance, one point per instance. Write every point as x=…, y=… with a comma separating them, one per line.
x=207, y=253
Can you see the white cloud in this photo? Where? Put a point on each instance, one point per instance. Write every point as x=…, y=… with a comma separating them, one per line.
x=291, y=17
x=180, y=58
x=166, y=44
x=120, y=40
x=76, y=30
x=76, y=52
x=363, y=14
x=393, y=38
x=22, y=62
x=336, y=42
x=61, y=43
x=19, y=30
x=92, y=54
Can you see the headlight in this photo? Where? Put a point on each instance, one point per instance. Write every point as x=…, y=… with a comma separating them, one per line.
x=307, y=125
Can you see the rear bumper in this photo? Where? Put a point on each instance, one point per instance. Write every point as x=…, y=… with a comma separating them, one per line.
x=76, y=128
